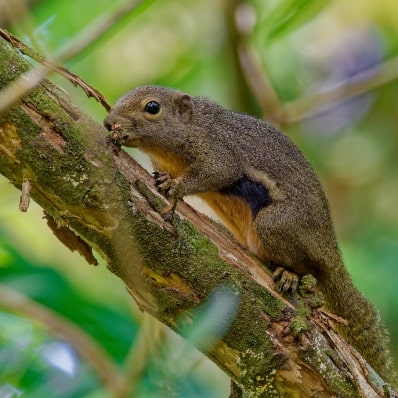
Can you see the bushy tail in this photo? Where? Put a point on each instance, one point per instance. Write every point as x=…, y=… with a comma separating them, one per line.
x=365, y=330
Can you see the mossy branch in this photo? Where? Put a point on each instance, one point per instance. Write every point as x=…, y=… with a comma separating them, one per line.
x=170, y=267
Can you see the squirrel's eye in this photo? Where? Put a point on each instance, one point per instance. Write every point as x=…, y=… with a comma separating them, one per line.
x=152, y=107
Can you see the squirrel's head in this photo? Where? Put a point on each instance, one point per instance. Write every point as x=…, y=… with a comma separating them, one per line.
x=150, y=114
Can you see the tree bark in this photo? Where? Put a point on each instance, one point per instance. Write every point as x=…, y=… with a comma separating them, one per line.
x=171, y=265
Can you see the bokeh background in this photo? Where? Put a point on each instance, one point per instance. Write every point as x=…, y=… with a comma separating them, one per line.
x=302, y=48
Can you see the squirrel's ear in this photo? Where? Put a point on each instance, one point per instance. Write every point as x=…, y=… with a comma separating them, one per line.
x=184, y=107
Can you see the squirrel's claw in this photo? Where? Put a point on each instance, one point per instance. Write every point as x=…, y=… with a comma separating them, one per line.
x=166, y=185
x=288, y=281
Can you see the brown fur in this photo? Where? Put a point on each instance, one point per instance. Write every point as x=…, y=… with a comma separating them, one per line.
x=205, y=149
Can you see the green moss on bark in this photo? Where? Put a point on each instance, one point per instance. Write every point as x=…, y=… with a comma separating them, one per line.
x=191, y=255
x=340, y=384
x=11, y=64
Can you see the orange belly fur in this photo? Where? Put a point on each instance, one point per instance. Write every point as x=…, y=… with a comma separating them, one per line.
x=237, y=216
x=169, y=162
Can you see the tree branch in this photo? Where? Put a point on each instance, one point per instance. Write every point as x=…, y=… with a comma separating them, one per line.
x=170, y=267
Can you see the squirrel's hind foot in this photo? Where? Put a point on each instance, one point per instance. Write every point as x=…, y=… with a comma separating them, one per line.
x=288, y=281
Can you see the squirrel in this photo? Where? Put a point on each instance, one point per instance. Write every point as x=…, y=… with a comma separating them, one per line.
x=261, y=186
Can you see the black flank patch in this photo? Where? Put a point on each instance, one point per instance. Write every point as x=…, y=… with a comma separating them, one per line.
x=252, y=192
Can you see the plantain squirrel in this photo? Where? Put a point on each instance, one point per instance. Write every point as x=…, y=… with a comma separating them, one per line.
x=262, y=188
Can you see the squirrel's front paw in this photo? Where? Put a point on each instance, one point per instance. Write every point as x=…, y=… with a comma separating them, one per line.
x=166, y=185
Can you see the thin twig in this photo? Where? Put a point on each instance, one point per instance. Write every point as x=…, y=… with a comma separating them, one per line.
x=305, y=106
x=29, y=80
x=74, y=79
x=241, y=93
x=94, y=31
x=85, y=346
x=260, y=84
x=362, y=83
x=252, y=70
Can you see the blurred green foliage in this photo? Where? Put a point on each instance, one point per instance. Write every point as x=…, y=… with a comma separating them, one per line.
x=304, y=46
